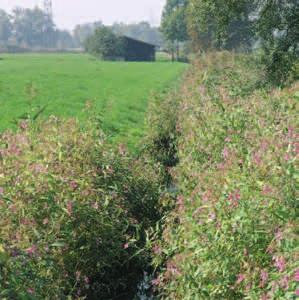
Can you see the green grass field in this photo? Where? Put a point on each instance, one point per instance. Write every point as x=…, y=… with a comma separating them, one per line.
x=119, y=91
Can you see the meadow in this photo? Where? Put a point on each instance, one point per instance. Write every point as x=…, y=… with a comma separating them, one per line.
x=65, y=84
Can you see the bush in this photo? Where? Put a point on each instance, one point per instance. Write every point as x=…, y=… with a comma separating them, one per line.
x=105, y=43
x=72, y=214
x=233, y=234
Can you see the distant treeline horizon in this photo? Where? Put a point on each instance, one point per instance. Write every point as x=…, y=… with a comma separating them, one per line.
x=33, y=28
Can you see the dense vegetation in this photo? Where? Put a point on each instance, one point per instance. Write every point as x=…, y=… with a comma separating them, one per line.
x=207, y=207
x=64, y=85
x=73, y=213
x=271, y=26
x=105, y=44
x=233, y=232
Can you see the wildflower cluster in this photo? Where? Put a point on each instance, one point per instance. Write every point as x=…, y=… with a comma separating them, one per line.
x=233, y=234
x=70, y=209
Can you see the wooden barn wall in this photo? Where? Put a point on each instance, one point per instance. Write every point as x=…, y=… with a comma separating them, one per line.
x=136, y=51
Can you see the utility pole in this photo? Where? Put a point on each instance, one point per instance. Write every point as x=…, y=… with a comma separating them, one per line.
x=48, y=8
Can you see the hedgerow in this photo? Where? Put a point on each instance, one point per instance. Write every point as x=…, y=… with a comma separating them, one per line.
x=234, y=231
x=73, y=213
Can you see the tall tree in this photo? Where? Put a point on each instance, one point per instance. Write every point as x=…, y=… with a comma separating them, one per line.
x=33, y=27
x=220, y=24
x=174, y=23
x=275, y=23
x=104, y=43
x=278, y=28
x=5, y=27
x=83, y=31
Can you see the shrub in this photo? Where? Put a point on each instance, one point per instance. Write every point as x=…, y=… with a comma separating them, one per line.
x=105, y=43
x=233, y=234
x=72, y=214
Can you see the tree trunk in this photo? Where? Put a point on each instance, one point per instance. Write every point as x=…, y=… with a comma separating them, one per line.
x=172, y=52
x=178, y=51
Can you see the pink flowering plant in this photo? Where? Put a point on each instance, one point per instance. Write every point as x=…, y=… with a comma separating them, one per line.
x=234, y=232
x=70, y=210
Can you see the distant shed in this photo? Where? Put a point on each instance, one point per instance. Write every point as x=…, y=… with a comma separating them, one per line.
x=135, y=50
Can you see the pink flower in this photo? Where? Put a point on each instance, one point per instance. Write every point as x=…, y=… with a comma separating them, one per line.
x=284, y=283
x=240, y=278
x=78, y=275
x=157, y=250
x=13, y=207
x=1, y=191
x=225, y=153
x=287, y=157
x=86, y=280
x=278, y=235
x=32, y=250
x=156, y=282
x=30, y=291
x=212, y=216
x=95, y=205
x=234, y=197
x=172, y=268
x=126, y=245
x=206, y=196
x=69, y=208
x=296, y=277
x=257, y=158
x=264, y=278
x=297, y=292
x=73, y=185
x=265, y=297
x=45, y=221
x=279, y=263
x=23, y=125
x=267, y=190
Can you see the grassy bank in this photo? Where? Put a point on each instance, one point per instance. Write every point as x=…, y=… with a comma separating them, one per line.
x=233, y=232
x=65, y=84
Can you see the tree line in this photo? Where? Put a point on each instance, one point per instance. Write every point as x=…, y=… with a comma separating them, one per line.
x=30, y=28
x=240, y=25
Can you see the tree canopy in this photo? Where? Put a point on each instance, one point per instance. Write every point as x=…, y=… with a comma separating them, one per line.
x=239, y=24
x=174, y=22
x=104, y=43
x=5, y=26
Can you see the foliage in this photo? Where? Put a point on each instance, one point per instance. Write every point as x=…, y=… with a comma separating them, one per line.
x=275, y=24
x=5, y=27
x=33, y=27
x=220, y=24
x=278, y=26
x=73, y=213
x=118, y=93
x=174, y=26
x=83, y=31
x=104, y=43
x=234, y=232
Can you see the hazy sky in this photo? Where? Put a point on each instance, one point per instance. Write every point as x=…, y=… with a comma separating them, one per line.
x=68, y=13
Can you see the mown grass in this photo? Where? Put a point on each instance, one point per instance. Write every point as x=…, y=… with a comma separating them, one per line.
x=118, y=92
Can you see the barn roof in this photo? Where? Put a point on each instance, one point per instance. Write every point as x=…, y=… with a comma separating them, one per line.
x=139, y=41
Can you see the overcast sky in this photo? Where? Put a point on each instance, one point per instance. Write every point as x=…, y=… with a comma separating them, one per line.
x=68, y=13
